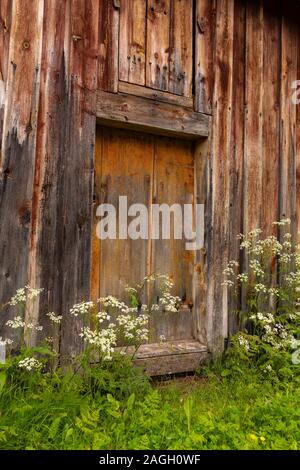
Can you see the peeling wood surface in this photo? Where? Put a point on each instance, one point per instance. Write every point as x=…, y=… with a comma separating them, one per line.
x=18, y=144
x=157, y=117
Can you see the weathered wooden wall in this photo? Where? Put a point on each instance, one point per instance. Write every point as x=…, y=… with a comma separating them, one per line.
x=48, y=76
x=54, y=54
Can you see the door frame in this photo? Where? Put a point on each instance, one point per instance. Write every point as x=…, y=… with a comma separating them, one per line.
x=144, y=114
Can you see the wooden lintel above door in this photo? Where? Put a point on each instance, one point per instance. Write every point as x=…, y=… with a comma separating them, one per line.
x=148, y=115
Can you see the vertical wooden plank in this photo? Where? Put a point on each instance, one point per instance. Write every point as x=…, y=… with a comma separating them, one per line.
x=200, y=281
x=5, y=25
x=157, y=55
x=237, y=146
x=204, y=54
x=271, y=115
x=132, y=44
x=253, y=121
x=18, y=146
x=298, y=143
x=96, y=242
x=108, y=28
x=79, y=166
x=181, y=47
x=46, y=238
x=288, y=114
x=126, y=170
x=60, y=248
x=217, y=320
x=174, y=184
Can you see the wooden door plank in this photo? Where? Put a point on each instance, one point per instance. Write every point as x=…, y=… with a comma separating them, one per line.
x=157, y=56
x=174, y=184
x=126, y=171
x=181, y=48
x=132, y=42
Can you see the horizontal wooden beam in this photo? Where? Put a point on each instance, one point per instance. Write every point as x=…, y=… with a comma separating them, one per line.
x=152, y=116
x=151, y=94
x=171, y=357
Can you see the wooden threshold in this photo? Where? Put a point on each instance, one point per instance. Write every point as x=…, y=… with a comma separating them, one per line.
x=171, y=357
x=157, y=117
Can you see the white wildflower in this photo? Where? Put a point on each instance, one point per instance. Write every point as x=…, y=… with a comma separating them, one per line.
x=16, y=323
x=5, y=342
x=29, y=364
x=243, y=342
x=54, y=318
x=81, y=308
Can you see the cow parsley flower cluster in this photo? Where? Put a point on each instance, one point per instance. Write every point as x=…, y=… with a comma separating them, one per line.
x=54, y=318
x=5, y=342
x=243, y=342
x=104, y=340
x=134, y=328
x=81, y=308
x=269, y=286
x=16, y=323
x=22, y=295
x=29, y=364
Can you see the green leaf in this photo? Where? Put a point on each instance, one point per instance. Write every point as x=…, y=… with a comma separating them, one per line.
x=130, y=401
x=3, y=377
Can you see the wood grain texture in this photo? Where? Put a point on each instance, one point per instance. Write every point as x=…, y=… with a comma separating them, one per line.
x=108, y=44
x=157, y=95
x=157, y=117
x=132, y=46
x=5, y=27
x=204, y=54
x=271, y=117
x=157, y=56
x=147, y=169
x=171, y=357
x=18, y=145
x=181, y=47
x=288, y=115
x=217, y=308
x=236, y=190
x=174, y=184
x=254, y=116
x=61, y=222
x=298, y=145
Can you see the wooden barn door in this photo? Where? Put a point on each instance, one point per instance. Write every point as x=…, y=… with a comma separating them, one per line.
x=147, y=169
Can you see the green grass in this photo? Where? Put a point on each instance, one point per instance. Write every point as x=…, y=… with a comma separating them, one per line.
x=121, y=410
